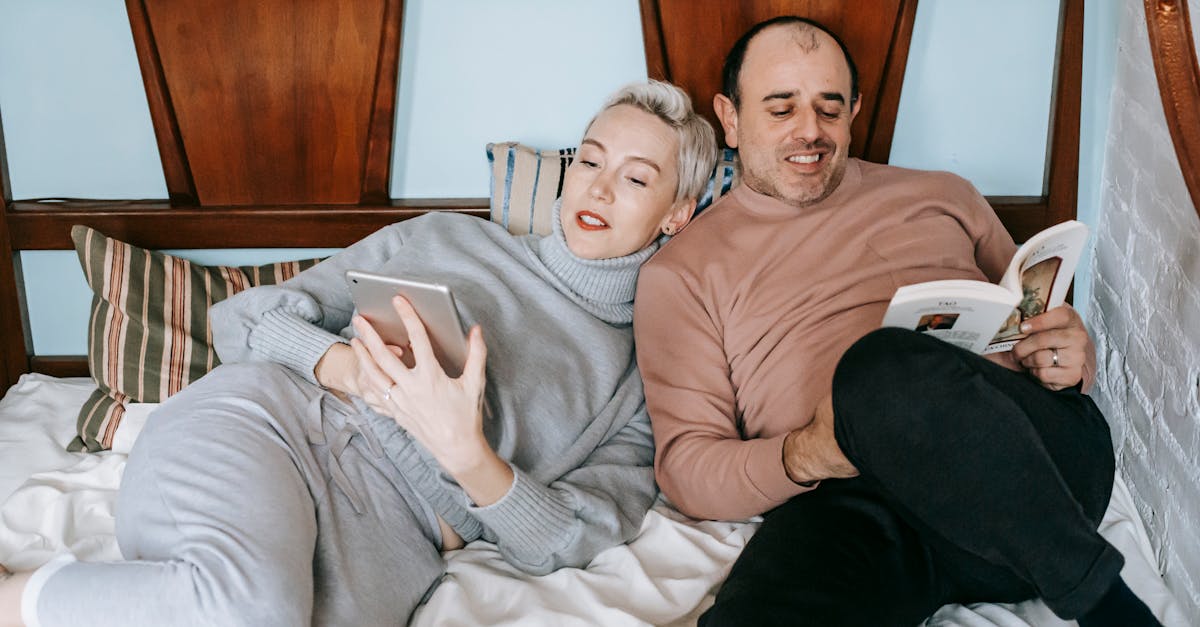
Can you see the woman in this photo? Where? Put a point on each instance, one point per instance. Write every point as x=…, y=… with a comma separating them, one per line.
x=314, y=481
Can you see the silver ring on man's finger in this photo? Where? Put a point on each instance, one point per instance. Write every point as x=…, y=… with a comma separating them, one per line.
x=1053, y=357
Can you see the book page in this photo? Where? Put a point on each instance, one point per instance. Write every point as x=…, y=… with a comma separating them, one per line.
x=941, y=324
x=1041, y=272
x=963, y=313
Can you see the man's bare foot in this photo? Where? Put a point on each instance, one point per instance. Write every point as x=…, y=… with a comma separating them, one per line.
x=11, y=586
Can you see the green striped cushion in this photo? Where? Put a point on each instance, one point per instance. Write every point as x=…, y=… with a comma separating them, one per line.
x=148, y=333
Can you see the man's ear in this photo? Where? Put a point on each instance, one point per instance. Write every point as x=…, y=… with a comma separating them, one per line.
x=727, y=114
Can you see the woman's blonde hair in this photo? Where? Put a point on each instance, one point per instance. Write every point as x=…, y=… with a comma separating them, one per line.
x=697, y=141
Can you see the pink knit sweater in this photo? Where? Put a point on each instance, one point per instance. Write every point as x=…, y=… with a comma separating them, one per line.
x=741, y=319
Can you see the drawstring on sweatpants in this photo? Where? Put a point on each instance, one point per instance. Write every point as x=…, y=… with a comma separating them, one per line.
x=350, y=428
x=343, y=437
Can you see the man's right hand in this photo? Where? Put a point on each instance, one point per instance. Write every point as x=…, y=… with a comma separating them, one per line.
x=811, y=453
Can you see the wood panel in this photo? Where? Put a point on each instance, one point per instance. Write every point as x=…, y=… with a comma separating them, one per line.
x=155, y=224
x=272, y=102
x=274, y=122
x=60, y=365
x=1175, y=65
x=1062, y=156
x=14, y=359
x=686, y=43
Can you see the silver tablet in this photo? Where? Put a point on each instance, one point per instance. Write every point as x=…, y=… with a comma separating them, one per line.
x=434, y=303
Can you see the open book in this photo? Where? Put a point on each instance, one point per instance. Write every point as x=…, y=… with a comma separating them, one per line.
x=986, y=318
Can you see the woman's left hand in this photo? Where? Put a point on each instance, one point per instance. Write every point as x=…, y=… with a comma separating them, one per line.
x=444, y=414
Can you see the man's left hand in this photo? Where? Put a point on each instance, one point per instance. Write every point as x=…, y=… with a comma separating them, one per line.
x=1058, y=350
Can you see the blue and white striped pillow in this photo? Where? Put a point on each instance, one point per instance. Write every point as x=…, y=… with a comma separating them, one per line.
x=526, y=182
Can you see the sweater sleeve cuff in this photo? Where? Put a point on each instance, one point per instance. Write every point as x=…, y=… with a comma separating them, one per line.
x=33, y=588
x=292, y=341
x=764, y=467
x=417, y=467
x=529, y=518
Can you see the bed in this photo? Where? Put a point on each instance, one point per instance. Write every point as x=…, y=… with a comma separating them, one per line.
x=56, y=501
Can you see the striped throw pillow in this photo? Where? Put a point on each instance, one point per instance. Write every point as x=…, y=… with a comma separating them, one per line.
x=724, y=177
x=148, y=333
x=526, y=181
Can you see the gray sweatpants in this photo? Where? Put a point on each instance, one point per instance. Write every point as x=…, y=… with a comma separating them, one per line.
x=252, y=498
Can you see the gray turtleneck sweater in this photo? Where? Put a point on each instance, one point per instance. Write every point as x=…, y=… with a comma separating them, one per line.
x=564, y=395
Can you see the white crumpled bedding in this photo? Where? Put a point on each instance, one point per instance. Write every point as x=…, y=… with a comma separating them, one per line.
x=55, y=502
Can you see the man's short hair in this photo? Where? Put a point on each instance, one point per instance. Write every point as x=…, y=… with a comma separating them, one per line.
x=697, y=141
x=732, y=70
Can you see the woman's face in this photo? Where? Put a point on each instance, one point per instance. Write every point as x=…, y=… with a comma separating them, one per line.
x=619, y=192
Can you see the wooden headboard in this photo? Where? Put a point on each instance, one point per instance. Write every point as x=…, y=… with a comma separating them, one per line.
x=258, y=128
x=686, y=43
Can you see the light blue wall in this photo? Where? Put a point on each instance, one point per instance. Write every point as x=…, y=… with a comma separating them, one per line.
x=976, y=97
x=525, y=70
x=474, y=71
x=1099, y=68
x=76, y=122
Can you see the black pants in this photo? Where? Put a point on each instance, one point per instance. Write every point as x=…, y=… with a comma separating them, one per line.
x=977, y=484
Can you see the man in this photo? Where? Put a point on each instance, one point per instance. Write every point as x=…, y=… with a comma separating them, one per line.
x=895, y=472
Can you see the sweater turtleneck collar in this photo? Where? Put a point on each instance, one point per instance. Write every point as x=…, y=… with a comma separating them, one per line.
x=605, y=287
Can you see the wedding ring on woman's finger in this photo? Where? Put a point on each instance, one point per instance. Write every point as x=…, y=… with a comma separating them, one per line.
x=1053, y=357
x=387, y=394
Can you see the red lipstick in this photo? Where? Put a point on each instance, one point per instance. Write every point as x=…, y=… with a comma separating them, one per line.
x=590, y=221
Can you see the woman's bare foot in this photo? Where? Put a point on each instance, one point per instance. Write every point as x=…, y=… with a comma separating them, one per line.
x=11, y=586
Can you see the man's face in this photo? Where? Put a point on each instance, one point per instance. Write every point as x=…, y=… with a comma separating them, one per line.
x=792, y=129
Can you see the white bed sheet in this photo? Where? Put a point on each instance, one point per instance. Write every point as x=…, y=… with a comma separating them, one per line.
x=56, y=502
